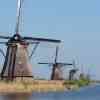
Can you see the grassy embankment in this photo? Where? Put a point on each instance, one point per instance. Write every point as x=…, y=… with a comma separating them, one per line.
x=77, y=83
x=30, y=86
x=81, y=82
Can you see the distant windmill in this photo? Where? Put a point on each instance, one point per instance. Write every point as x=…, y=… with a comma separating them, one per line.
x=73, y=71
x=16, y=62
x=56, y=70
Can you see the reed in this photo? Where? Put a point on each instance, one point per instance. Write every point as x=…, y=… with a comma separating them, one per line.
x=30, y=85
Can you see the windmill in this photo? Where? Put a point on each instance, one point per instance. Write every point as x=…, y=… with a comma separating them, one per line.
x=56, y=67
x=73, y=71
x=16, y=62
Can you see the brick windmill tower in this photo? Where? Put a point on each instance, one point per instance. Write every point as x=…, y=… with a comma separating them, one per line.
x=16, y=62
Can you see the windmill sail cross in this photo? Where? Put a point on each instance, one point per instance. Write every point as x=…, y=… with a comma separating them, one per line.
x=16, y=62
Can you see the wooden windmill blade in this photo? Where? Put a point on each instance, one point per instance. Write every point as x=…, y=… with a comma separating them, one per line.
x=42, y=39
x=5, y=37
x=55, y=59
x=18, y=16
x=45, y=63
x=64, y=64
x=2, y=52
x=56, y=71
x=34, y=49
x=3, y=42
x=56, y=54
x=74, y=65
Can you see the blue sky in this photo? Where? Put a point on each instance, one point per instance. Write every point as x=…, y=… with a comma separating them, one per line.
x=76, y=22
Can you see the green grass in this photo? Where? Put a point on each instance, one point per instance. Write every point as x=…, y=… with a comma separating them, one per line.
x=80, y=83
